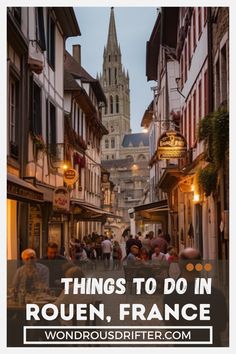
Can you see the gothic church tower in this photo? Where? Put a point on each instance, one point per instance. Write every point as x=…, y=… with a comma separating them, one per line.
x=115, y=84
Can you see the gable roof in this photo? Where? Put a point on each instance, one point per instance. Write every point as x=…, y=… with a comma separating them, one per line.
x=69, y=82
x=135, y=140
x=68, y=22
x=78, y=72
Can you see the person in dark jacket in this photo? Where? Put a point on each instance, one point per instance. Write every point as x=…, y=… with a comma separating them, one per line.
x=56, y=263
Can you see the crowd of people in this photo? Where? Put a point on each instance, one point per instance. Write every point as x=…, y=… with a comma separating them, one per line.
x=152, y=248
x=93, y=249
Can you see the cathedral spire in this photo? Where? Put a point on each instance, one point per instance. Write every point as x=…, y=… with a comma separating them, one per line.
x=115, y=84
x=112, y=43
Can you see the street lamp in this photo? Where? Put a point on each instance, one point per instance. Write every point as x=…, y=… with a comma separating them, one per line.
x=196, y=198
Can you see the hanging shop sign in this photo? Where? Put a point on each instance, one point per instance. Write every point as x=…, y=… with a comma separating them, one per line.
x=61, y=199
x=171, y=145
x=70, y=176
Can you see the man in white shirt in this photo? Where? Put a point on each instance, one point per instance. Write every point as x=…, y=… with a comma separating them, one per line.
x=106, y=252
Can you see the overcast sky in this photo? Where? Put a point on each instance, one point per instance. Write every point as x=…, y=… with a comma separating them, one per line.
x=134, y=26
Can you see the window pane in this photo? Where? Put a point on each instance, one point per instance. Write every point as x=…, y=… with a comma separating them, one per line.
x=51, y=42
x=37, y=112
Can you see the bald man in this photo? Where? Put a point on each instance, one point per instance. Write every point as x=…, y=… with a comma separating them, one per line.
x=190, y=253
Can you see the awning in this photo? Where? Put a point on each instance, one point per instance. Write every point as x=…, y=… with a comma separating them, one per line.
x=152, y=212
x=87, y=212
x=21, y=190
x=47, y=192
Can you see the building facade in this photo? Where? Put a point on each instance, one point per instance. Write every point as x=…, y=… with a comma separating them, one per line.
x=180, y=60
x=83, y=133
x=36, y=43
x=54, y=134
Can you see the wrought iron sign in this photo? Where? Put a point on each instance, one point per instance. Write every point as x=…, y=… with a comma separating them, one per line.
x=171, y=145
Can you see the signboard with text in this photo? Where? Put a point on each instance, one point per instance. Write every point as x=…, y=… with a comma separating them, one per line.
x=61, y=199
x=171, y=145
x=70, y=176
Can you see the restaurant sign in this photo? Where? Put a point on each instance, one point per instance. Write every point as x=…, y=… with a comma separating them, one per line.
x=171, y=145
x=61, y=199
x=70, y=176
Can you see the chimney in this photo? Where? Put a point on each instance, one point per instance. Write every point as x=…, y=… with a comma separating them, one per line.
x=77, y=52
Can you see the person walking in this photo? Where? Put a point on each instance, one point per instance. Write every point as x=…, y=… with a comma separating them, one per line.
x=106, y=252
x=116, y=255
x=56, y=263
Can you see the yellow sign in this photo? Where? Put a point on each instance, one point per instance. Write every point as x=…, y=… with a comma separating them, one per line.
x=171, y=145
x=70, y=176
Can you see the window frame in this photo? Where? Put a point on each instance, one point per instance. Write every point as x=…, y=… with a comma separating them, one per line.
x=117, y=104
x=113, y=143
x=111, y=104
x=106, y=144
x=40, y=30
x=51, y=42
x=51, y=120
x=36, y=123
x=199, y=22
x=13, y=109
